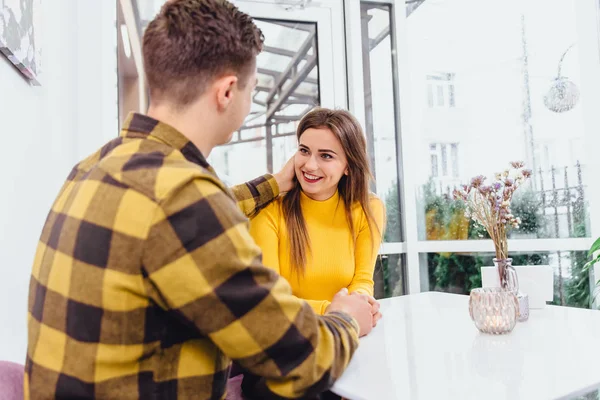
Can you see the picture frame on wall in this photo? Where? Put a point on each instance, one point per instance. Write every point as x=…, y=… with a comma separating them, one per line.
x=20, y=36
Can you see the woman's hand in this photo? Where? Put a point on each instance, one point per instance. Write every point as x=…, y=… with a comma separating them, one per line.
x=376, y=314
x=285, y=177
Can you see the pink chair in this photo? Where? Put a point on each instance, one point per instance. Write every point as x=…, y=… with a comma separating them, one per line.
x=234, y=388
x=11, y=381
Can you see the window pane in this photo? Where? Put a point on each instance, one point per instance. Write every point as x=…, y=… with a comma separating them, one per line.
x=283, y=148
x=440, y=95
x=389, y=276
x=514, y=105
x=430, y=95
x=434, y=165
x=460, y=272
x=380, y=113
x=444, y=161
x=240, y=162
x=454, y=157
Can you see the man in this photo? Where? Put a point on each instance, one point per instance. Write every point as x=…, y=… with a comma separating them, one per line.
x=146, y=283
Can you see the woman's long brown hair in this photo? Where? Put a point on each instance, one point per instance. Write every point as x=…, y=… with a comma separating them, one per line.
x=352, y=188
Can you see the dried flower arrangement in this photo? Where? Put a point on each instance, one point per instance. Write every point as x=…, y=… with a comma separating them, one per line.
x=489, y=205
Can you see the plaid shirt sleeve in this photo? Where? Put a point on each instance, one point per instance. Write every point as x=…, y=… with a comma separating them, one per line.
x=206, y=269
x=253, y=196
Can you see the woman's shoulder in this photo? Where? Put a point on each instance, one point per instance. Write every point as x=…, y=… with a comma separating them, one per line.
x=273, y=209
x=378, y=209
x=374, y=202
x=374, y=199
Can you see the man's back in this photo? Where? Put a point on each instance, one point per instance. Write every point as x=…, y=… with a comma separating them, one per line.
x=145, y=283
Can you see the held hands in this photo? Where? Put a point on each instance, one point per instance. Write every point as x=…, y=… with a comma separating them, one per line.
x=374, y=306
x=363, y=308
x=285, y=177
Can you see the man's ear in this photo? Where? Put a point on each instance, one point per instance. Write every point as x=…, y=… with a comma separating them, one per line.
x=224, y=90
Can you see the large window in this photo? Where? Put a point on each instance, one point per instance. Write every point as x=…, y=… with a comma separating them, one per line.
x=472, y=87
x=508, y=85
x=446, y=90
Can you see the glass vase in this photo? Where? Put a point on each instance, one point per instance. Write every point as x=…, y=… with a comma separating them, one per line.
x=494, y=310
x=508, y=274
x=510, y=282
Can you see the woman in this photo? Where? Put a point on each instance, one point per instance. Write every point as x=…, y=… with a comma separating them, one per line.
x=324, y=235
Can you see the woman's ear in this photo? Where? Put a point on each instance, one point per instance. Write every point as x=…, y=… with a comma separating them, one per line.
x=346, y=171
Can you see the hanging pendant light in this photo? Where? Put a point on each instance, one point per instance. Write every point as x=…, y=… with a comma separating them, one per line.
x=563, y=94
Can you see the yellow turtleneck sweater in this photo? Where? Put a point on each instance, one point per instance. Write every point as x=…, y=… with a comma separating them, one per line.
x=332, y=264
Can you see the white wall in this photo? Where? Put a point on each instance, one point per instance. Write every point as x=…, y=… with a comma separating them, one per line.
x=44, y=131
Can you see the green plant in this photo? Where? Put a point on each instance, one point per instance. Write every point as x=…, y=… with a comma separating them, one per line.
x=477, y=231
x=392, y=206
x=595, y=248
x=527, y=205
x=579, y=207
x=459, y=273
x=444, y=216
x=454, y=272
x=577, y=288
x=390, y=276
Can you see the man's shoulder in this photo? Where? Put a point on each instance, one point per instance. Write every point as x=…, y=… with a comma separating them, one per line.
x=154, y=168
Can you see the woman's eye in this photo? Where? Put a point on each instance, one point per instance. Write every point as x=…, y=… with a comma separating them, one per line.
x=304, y=151
x=326, y=156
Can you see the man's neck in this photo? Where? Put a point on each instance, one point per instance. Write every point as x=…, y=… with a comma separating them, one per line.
x=195, y=126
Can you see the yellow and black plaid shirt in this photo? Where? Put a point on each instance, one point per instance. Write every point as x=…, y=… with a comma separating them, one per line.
x=146, y=283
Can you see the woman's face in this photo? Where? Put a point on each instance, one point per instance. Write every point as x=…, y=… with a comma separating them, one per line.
x=320, y=163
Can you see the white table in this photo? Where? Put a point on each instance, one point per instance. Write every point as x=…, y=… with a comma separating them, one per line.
x=427, y=347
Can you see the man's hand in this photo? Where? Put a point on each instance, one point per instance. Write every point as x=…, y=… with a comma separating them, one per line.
x=374, y=306
x=285, y=177
x=355, y=306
